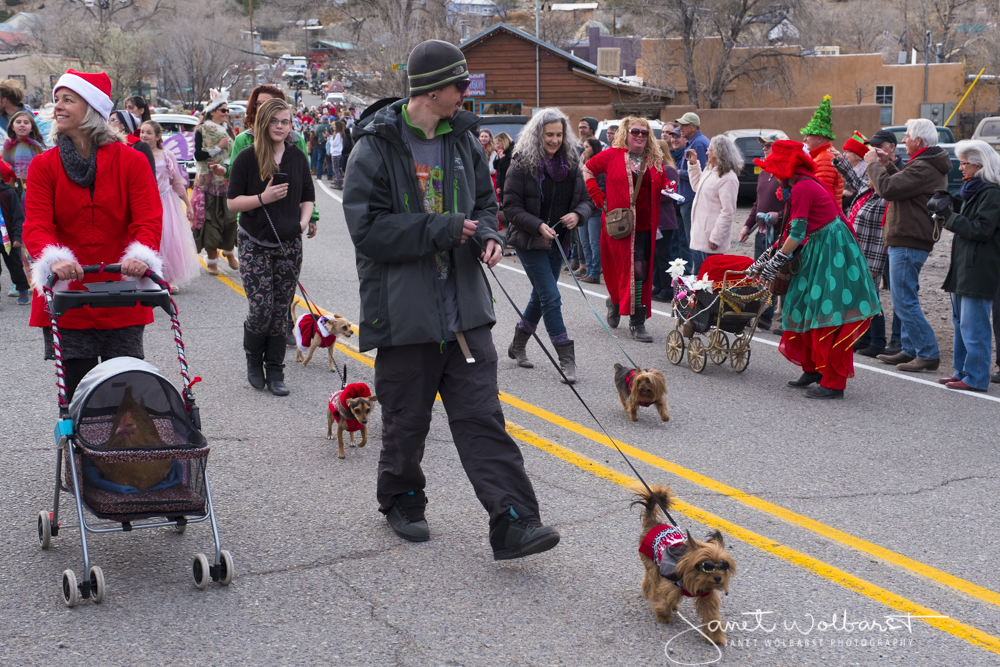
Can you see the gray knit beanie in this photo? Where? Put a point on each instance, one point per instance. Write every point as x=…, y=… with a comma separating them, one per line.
x=435, y=64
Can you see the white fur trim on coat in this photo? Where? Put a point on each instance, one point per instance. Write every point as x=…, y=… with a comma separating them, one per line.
x=150, y=257
x=42, y=267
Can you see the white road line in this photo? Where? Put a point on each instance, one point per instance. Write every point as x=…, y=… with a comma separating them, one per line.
x=328, y=191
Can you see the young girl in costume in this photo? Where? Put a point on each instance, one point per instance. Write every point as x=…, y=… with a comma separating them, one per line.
x=24, y=142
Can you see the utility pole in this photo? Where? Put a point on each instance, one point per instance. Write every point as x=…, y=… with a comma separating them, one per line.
x=538, y=87
x=927, y=61
x=253, y=48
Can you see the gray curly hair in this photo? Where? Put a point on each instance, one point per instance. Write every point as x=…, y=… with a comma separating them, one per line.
x=530, y=147
x=727, y=156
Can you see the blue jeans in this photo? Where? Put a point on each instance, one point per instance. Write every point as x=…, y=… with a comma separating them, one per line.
x=543, y=268
x=904, y=278
x=973, y=339
x=316, y=163
x=661, y=262
x=684, y=233
x=590, y=236
x=697, y=257
x=875, y=335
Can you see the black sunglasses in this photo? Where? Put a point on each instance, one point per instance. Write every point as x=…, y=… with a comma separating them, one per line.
x=637, y=132
x=708, y=566
x=463, y=86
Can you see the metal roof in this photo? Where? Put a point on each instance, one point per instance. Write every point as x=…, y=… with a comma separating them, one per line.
x=579, y=62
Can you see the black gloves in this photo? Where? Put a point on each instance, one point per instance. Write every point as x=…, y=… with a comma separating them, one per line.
x=940, y=205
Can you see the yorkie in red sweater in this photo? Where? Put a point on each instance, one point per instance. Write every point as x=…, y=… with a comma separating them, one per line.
x=638, y=388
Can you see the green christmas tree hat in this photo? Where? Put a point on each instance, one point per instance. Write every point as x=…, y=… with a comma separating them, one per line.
x=822, y=122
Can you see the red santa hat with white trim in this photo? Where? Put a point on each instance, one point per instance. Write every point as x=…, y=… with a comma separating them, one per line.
x=93, y=87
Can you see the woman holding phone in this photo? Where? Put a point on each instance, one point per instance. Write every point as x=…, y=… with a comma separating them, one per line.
x=272, y=189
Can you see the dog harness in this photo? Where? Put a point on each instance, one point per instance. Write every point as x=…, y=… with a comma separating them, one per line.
x=307, y=326
x=629, y=377
x=664, y=545
x=339, y=399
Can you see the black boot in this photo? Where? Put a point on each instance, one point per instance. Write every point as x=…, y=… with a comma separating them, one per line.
x=274, y=365
x=406, y=517
x=567, y=362
x=517, y=535
x=805, y=380
x=253, y=345
x=517, y=351
x=613, y=317
x=637, y=325
x=822, y=392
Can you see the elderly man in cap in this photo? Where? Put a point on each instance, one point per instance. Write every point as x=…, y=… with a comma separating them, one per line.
x=690, y=127
x=422, y=214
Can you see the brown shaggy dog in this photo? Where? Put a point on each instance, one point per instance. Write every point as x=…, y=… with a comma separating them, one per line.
x=638, y=388
x=684, y=567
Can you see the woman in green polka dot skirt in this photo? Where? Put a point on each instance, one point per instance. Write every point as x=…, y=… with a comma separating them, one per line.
x=832, y=297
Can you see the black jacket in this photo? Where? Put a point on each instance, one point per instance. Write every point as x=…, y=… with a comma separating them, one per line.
x=975, y=250
x=13, y=212
x=244, y=179
x=522, y=203
x=502, y=165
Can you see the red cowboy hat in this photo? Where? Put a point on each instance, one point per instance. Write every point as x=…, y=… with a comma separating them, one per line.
x=786, y=156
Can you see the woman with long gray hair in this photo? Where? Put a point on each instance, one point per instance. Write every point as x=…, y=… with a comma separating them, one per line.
x=544, y=198
x=715, y=198
x=974, y=275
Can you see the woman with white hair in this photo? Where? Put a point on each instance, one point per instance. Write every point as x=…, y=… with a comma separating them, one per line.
x=714, y=199
x=544, y=198
x=92, y=200
x=974, y=275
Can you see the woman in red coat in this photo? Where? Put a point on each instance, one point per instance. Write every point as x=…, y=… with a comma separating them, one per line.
x=92, y=200
x=627, y=263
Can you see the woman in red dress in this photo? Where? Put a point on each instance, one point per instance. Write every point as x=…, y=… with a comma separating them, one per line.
x=634, y=160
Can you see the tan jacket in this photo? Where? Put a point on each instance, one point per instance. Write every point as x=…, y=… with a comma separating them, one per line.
x=713, y=209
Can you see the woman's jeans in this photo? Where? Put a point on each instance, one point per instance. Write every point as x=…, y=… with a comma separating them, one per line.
x=318, y=154
x=904, y=279
x=543, y=268
x=973, y=338
x=590, y=235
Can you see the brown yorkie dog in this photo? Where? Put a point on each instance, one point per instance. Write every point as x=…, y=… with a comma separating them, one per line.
x=678, y=566
x=638, y=388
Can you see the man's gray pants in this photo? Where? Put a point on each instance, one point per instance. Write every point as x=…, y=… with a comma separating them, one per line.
x=407, y=380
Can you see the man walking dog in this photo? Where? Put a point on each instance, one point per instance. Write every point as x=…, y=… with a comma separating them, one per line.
x=422, y=214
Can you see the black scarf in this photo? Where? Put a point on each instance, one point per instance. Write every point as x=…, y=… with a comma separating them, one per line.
x=81, y=171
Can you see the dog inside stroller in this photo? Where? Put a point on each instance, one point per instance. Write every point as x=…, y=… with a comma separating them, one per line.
x=129, y=445
x=732, y=306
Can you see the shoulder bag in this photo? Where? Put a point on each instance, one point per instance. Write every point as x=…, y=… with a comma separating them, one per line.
x=620, y=222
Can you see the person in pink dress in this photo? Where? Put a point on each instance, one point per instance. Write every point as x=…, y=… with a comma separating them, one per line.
x=177, y=247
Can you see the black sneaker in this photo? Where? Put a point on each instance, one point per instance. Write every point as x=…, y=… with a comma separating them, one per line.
x=406, y=517
x=519, y=536
x=894, y=347
x=995, y=378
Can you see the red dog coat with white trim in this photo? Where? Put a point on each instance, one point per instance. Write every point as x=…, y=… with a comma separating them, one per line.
x=339, y=398
x=629, y=377
x=307, y=326
x=664, y=545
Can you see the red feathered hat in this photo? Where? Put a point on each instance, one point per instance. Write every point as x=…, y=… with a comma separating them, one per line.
x=786, y=156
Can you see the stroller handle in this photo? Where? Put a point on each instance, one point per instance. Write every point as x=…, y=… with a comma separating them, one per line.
x=105, y=268
x=109, y=294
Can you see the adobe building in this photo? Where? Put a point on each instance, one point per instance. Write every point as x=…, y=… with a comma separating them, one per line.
x=501, y=63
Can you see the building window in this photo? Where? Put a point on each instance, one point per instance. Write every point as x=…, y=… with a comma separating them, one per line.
x=21, y=79
x=499, y=108
x=884, y=97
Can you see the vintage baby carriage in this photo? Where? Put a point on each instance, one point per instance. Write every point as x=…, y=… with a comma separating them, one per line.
x=733, y=306
x=129, y=446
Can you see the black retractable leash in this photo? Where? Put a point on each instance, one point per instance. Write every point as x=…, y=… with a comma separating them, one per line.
x=576, y=393
x=305, y=295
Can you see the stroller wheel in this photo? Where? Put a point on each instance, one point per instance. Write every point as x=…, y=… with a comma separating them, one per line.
x=227, y=573
x=201, y=573
x=97, y=587
x=44, y=529
x=675, y=347
x=70, y=590
x=718, y=347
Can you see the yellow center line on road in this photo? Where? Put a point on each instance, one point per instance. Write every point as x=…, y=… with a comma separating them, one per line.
x=914, y=566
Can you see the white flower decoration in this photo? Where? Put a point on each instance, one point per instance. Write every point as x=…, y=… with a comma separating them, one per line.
x=676, y=269
x=703, y=284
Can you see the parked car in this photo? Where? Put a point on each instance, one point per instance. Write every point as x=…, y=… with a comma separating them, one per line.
x=988, y=130
x=178, y=137
x=512, y=125
x=945, y=135
x=336, y=98
x=602, y=128
x=748, y=146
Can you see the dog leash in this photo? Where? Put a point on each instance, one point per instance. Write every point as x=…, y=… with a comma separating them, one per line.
x=580, y=398
x=305, y=295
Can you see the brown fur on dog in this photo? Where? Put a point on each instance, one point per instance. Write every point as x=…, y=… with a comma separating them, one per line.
x=358, y=409
x=336, y=325
x=648, y=388
x=663, y=593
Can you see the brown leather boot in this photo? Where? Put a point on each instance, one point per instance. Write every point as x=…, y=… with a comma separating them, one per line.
x=918, y=364
x=894, y=359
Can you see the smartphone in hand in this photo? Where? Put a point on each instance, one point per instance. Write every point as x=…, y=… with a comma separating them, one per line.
x=280, y=178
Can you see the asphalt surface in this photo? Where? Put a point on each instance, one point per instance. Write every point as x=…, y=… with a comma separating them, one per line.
x=899, y=465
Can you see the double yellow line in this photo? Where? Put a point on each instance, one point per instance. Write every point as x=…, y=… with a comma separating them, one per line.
x=963, y=631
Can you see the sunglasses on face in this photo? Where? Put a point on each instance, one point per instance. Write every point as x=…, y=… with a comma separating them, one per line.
x=223, y=110
x=463, y=86
x=638, y=132
x=709, y=567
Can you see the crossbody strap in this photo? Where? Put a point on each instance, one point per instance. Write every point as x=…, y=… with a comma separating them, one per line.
x=633, y=188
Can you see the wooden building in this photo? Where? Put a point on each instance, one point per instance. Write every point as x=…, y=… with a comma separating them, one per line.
x=502, y=68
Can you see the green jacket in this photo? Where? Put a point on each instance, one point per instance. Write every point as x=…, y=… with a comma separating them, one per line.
x=395, y=240
x=975, y=250
x=245, y=140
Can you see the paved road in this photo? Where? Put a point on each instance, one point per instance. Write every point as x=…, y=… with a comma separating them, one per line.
x=883, y=504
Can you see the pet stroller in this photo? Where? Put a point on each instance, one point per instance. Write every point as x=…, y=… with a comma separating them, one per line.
x=129, y=446
x=735, y=303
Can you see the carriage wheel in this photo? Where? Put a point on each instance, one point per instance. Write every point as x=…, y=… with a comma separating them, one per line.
x=696, y=355
x=718, y=347
x=739, y=358
x=675, y=347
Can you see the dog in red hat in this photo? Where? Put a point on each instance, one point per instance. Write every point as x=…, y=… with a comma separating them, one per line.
x=350, y=408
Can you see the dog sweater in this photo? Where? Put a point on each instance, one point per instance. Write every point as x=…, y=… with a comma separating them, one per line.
x=339, y=398
x=629, y=377
x=664, y=545
x=307, y=326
